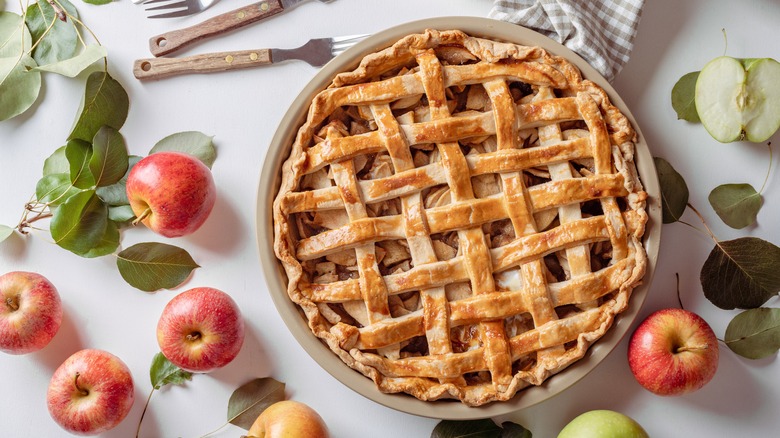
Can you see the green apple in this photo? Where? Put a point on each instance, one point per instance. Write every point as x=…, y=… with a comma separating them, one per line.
x=739, y=99
x=603, y=424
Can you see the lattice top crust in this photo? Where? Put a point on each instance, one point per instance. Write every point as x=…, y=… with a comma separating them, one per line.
x=461, y=218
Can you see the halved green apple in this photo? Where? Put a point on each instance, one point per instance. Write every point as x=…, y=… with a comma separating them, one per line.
x=739, y=98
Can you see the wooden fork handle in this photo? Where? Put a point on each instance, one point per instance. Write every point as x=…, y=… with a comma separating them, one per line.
x=158, y=68
x=171, y=41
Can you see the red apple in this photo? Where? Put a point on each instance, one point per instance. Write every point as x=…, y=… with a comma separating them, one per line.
x=673, y=352
x=91, y=392
x=200, y=330
x=172, y=193
x=30, y=314
x=289, y=418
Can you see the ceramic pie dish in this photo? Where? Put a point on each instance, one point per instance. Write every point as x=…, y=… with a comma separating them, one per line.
x=465, y=223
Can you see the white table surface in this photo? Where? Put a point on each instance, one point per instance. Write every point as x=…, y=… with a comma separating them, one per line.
x=241, y=109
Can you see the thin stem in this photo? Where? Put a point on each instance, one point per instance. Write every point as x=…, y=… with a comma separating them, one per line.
x=142, y=216
x=766, y=178
x=709, y=231
x=12, y=303
x=679, y=300
x=82, y=391
x=138, y=429
x=58, y=10
x=214, y=431
x=694, y=228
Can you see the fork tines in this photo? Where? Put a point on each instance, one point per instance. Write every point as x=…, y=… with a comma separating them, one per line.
x=342, y=43
x=177, y=8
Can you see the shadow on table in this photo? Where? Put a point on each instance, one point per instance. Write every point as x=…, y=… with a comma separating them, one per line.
x=223, y=232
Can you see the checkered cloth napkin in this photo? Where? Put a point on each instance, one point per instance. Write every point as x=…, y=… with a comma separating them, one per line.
x=601, y=31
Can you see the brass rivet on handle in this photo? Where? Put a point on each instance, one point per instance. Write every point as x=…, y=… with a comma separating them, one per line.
x=229, y=59
x=241, y=15
x=264, y=6
x=253, y=56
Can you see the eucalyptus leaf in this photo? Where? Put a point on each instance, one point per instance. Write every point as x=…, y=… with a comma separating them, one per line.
x=5, y=232
x=78, y=153
x=19, y=88
x=79, y=224
x=57, y=40
x=15, y=38
x=163, y=372
x=737, y=205
x=754, y=333
x=109, y=160
x=193, y=143
x=683, y=98
x=55, y=188
x=741, y=273
x=250, y=399
x=107, y=244
x=472, y=429
x=120, y=213
x=105, y=103
x=71, y=67
x=674, y=191
x=98, y=2
x=57, y=162
x=151, y=266
x=116, y=194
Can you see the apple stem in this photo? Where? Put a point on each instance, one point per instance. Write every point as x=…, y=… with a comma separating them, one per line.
x=695, y=348
x=82, y=391
x=12, y=303
x=143, y=216
x=194, y=336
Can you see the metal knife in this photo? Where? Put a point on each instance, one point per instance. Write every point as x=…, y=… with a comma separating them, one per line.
x=169, y=42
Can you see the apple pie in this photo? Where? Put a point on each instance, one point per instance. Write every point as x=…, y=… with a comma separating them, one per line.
x=460, y=218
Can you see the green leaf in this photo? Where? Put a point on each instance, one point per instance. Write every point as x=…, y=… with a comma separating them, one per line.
x=15, y=38
x=152, y=266
x=5, y=232
x=19, y=88
x=736, y=204
x=683, y=98
x=55, y=42
x=741, y=273
x=57, y=162
x=109, y=159
x=79, y=224
x=55, y=188
x=163, y=372
x=674, y=191
x=107, y=244
x=193, y=143
x=120, y=213
x=98, y=2
x=71, y=67
x=78, y=153
x=105, y=103
x=250, y=399
x=514, y=430
x=116, y=194
x=754, y=333
x=472, y=429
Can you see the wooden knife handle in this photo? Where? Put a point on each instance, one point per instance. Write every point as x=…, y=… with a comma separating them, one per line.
x=157, y=68
x=171, y=41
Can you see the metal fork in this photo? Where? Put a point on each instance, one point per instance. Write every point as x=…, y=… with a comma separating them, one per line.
x=316, y=52
x=178, y=8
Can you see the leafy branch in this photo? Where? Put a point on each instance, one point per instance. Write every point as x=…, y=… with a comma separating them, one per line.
x=743, y=273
